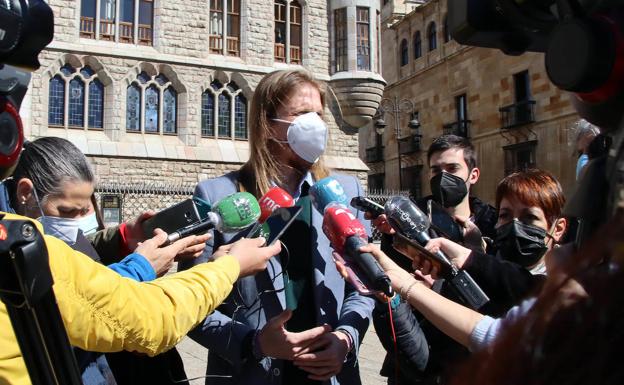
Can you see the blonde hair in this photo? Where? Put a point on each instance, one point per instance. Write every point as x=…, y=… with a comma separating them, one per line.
x=273, y=91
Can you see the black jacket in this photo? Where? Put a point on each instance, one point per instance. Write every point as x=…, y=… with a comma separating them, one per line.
x=425, y=353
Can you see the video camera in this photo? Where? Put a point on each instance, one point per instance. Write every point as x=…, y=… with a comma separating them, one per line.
x=583, y=46
x=26, y=27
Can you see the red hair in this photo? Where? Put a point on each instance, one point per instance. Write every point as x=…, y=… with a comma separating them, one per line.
x=533, y=188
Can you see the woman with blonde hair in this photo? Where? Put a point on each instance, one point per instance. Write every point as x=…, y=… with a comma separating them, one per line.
x=252, y=339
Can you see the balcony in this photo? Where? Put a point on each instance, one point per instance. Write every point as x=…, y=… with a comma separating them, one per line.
x=145, y=34
x=107, y=30
x=374, y=154
x=295, y=54
x=215, y=44
x=87, y=27
x=517, y=114
x=459, y=128
x=280, y=53
x=409, y=144
x=233, y=45
x=126, y=32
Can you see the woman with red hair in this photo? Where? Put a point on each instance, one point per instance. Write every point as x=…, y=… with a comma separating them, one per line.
x=530, y=223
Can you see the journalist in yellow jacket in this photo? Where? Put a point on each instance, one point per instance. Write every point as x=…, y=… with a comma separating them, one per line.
x=105, y=312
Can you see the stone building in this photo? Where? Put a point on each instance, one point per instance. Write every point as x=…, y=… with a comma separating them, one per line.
x=506, y=105
x=158, y=92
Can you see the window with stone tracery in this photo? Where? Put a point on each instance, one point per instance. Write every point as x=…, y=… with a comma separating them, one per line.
x=76, y=99
x=223, y=112
x=151, y=105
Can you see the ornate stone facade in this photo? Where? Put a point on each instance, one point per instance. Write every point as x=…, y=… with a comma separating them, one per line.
x=180, y=51
x=514, y=116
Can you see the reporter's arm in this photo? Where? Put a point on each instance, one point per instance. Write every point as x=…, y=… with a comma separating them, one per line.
x=452, y=319
x=108, y=243
x=105, y=312
x=134, y=266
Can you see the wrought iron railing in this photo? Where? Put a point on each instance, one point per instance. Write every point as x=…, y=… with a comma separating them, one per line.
x=459, y=128
x=374, y=154
x=409, y=144
x=517, y=114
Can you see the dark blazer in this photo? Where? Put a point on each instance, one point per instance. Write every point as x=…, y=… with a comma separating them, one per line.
x=227, y=333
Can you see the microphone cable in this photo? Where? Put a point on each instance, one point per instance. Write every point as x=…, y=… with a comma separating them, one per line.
x=394, y=341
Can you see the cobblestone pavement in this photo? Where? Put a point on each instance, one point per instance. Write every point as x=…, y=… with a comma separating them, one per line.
x=371, y=358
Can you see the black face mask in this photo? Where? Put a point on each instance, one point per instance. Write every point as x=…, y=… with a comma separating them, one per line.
x=521, y=243
x=447, y=189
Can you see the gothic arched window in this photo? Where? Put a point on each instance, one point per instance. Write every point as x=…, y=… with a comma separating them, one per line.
x=224, y=107
x=159, y=103
x=74, y=95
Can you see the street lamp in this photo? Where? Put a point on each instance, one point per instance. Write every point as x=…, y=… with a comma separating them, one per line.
x=395, y=107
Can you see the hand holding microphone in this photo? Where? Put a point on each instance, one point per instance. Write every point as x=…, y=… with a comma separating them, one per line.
x=232, y=213
x=374, y=212
x=346, y=235
x=412, y=225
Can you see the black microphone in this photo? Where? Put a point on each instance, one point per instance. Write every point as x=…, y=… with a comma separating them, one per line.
x=412, y=225
x=408, y=220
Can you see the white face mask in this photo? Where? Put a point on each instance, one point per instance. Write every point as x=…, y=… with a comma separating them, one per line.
x=307, y=136
x=66, y=229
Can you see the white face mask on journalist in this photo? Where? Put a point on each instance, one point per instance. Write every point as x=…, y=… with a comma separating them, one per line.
x=67, y=229
x=307, y=136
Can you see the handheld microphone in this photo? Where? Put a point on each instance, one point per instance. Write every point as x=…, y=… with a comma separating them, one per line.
x=275, y=198
x=412, y=225
x=367, y=205
x=407, y=219
x=326, y=191
x=230, y=214
x=346, y=235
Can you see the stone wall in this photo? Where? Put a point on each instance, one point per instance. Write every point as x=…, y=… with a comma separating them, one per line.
x=180, y=51
x=132, y=171
x=433, y=81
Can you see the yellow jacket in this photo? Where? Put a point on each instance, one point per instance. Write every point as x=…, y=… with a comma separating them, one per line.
x=105, y=312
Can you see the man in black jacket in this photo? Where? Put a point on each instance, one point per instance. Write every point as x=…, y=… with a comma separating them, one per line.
x=424, y=353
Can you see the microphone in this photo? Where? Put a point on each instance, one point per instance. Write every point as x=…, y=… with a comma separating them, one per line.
x=367, y=205
x=406, y=218
x=326, y=191
x=412, y=225
x=346, y=235
x=230, y=214
x=275, y=198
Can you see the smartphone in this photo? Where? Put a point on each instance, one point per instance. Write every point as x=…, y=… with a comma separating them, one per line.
x=172, y=218
x=444, y=224
x=444, y=266
x=367, y=205
x=276, y=224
